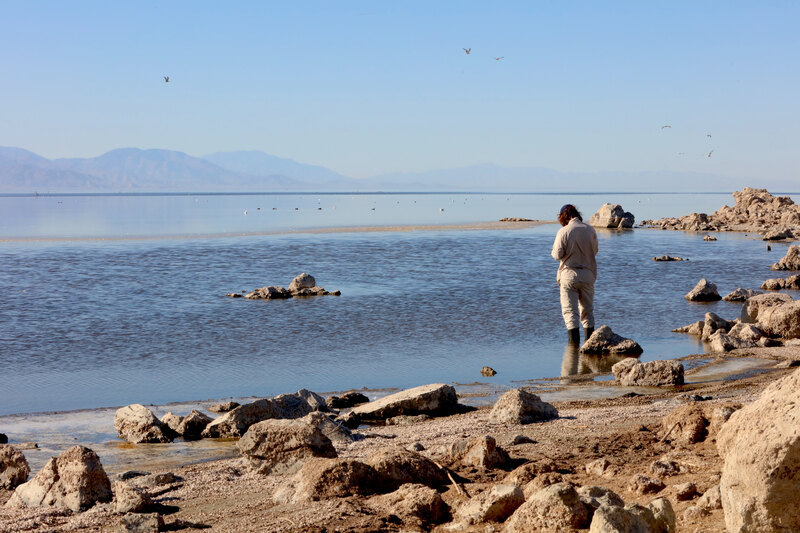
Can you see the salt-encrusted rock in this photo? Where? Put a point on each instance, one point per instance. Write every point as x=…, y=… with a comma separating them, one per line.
x=668, y=258
x=524, y=474
x=692, y=329
x=435, y=399
x=722, y=342
x=279, y=446
x=686, y=424
x=645, y=485
x=348, y=399
x=782, y=320
x=480, y=451
x=321, y=479
x=713, y=323
x=296, y=405
x=272, y=292
x=137, y=424
x=129, y=499
x=398, y=466
x=172, y=421
x=685, y=491
x=704, y=291
x=631, y=372
x=761, y=452
x=612, y=216
x=14, y=467
x=708, y=238
x=711, y=499
x=224, y=407
x=791, y=261
x=493, y=505
x=415, y=505
x=554, y=508
x=599, y=467
x=760, y=305
x=778, y=234
x=193, y=424
x=594, y=497
x=142, y=523
x=740, y=295
x=303, y=281
x=745, y=331
x=74, y=480
x=605, y=341
x=519, y=406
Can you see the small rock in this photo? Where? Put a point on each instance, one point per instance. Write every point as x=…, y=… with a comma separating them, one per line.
x=137, y=424
x=3, y=438
x=193, y=424
x=488, y=371
x=631, y=372
x=405, y=420
x=397, y=466
x=128, y=499
x=740, y=295
x=594, y=497
x=605, y=341
x=224, y=407
x=522, y=439
x=519, y=406
x=665, y=467
x=416, y=447
x=234, y=295
x=329, y=478
x=524, y=474
x=791, y=261
x=416, y=506
x=645, y=485
x=303, y=281
x=493, y=505
x=704, y=291
x=711, y=499
x=709, y=238
x=685, y=491
x=346, y=400
x=142, y=523
x=598, y=467
x=554, y=508
x=667, y=258
x=26, y=446
x=282, y=446
x=481, y=451
x=694, y=512
x=14, y=469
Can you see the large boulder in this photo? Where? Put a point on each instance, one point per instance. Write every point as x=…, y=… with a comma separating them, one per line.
x=137, y=424
x=282, y=446
x=761, y=451
x=74, y=480
x=722, y=342
x=704, y=291
x=632, y=372
x=791, y=261
x=417, y=506
x=14, y=467
x=235, y=423
x=757, y=306
x=493, y=505
x=554, y=508
x=434, y=399
x=398, y=466
x=782, y=320
x=321, y=479
x=519, y=406
x=612, y=216
x=686, y=424
x=605, y=341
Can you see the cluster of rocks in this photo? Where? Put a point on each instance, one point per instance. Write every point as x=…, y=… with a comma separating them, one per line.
x=301, y=286
x=776, y=284
x=612, y=216
x=669, y=258
x=516, y=219
x=756, y=210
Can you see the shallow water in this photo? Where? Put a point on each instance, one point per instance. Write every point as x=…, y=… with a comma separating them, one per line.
x=92, y=323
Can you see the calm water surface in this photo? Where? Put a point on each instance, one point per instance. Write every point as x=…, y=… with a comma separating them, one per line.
x=106, y=321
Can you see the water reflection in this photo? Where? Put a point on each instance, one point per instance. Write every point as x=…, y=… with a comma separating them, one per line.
x=575, y=363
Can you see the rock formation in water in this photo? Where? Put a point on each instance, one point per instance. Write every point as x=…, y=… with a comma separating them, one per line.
x=612, y=216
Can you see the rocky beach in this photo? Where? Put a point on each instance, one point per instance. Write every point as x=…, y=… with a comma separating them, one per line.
x=685, y=450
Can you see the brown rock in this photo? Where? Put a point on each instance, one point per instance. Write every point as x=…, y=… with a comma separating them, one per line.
x=630, y=372
x=435, y=399
x=416, y=506
x=686, y=424
x=398, y=466
x=791, y=261
x=137, y=424
x=128, y=499
x=782, y=320
x=692, y=329
x=605, y=341
x=493, y=505
x=554, y=508
x=303, y=281
x=685, y=491
x=704, y=291
x=193, y=424
x=519, y=406
x=524, y=474
x=740, y=295
x=481, y=451
x=645, y=485
x=224, y=407
x=321, y=479
x=14, y=467
x=282, y=446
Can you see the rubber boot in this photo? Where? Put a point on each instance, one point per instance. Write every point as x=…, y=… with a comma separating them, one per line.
x=588, y=332
x=574, y=335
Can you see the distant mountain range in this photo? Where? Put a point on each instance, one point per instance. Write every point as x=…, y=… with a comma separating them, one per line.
x=135, y=170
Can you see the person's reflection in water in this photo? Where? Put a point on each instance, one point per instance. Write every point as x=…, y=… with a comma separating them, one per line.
x=569, y=364
x=575, y=363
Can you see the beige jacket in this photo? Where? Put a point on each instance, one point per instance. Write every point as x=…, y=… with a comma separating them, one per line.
x=575, y=246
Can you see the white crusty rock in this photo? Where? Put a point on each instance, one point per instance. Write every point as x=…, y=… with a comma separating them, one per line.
x=74, y=480
x=782, y=320
x=321, y=479
x=519, y=406
x=761, y=451
x=434, y=399
x=554, y=508
x=612, y=216
x=791, y=261
x=137, y=424
x=632, y=372
x=704, y=291
x=279, y=446
x=605, y=341
x=14, y=467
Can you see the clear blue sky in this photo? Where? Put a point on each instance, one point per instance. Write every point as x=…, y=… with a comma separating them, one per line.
x=366, y=88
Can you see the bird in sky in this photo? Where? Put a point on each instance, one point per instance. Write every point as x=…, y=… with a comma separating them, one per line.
x=665, y=126
x=467, y=50
x=709, y=153
x=708, y=135
x=166, y=79
x=499, y=58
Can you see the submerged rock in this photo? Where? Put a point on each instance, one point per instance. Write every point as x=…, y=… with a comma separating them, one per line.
x=740, y=295
x=137, y=424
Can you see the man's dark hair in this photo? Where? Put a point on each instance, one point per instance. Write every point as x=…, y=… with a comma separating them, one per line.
x=567, y=213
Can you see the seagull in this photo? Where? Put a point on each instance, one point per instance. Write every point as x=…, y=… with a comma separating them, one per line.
x=499, y=58
x=665, y=126
x=166, y=79
x=709, y=153
x=467, y=50
x=708, y=135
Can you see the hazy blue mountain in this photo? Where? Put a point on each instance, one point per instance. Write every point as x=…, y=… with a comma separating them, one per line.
x=257, y=163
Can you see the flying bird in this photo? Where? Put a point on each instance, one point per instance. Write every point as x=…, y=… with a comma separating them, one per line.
x=709, y=153
x=499, y=58
x=467, y=50
x=708, y=135
x=665, y=126
x=166, y=79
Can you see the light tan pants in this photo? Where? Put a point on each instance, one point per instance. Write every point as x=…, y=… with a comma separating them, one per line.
x=577, y=299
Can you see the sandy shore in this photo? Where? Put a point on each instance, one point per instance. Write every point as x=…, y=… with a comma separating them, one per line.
x=225, y=496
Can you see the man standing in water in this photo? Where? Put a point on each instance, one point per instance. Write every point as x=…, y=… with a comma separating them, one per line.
x=576, y=246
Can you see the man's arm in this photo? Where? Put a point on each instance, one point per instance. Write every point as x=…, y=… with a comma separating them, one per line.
x=559, y=246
